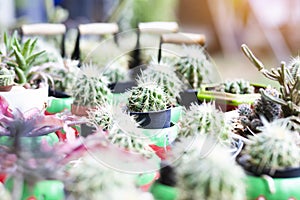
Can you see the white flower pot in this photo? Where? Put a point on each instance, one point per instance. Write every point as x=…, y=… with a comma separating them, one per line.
x=25, y=99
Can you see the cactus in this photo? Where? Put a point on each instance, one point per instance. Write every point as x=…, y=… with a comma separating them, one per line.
x=275, y=148
x=205, y=119
x=147, y=96
x=164, y=75
x=214, y=176
x=89, y=179
x=288, y=79
x=195, y=67
x=7, y=76
x=116, y=73
x=90, y=87
x=236, y=87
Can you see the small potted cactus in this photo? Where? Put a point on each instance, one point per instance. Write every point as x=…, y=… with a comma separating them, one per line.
x=90, y=89
x=209, y=176
x=195, y=69
x=271, y=160
x=149, y=104
x=230, y=94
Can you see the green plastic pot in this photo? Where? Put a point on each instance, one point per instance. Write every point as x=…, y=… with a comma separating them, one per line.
x=227, y=101
x=50, y=138
x=42, y=190
x=276, y=189
x=57, y=105
x=161, y=137
x=144, y=181
x=163, y=192
x=176, y=113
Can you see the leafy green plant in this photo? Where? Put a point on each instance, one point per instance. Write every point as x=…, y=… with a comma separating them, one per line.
x=205, y=119
x=21, y=59
x=147, y=96
x=214, y=176
x=275, y=148
x=195, y=66
x=90, y=87
x=239, y=86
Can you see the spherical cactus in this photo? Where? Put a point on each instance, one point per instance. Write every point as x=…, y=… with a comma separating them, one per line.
x=276, y=147
x=147, y=96
x=164, y=74
x=215, y=176
x=195, y=66
x=90, y=87
x=269, y=109
x=205, y=119
x=244, y=110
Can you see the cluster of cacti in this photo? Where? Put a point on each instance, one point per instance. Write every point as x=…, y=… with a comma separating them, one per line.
x=147, y=96
x=275, y=148
x=89, y=179
x=214, y=176
x=239, y=86
x=195, y=66
x=90, y=87
x=250, y=117
x=7, y=76
x=23, y=56
x=205, y=119
x=163, y=74
x=288, y=78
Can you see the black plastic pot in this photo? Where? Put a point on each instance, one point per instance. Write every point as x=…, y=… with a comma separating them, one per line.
x=153, y=120
x=187, y=97
x=57, y=93
x=284, y=173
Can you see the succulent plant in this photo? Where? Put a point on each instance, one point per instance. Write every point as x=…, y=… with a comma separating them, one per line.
x=90, y=87
x=21, y=58
x=7, y=76
x=214, y=176
x=288, y=79
x=195, y=66
x=89, y=179
x=116, y=73
x=250, y=117
x=205, y=119
x=275, y=148
x=163, y=74
x=239, y=86
x=147, y=96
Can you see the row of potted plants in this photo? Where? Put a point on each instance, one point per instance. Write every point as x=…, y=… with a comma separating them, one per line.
x=196, y=140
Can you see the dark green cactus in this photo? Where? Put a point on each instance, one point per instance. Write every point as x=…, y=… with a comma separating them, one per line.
x=147, y=97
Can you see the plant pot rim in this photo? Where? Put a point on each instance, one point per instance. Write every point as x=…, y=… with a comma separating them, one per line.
x=159, y=111
x=5, y=88
x=290, y=172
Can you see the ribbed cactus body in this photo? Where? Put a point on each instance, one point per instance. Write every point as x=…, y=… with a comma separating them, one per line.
x=6, y=76
x=90, y=88
x=147, y=97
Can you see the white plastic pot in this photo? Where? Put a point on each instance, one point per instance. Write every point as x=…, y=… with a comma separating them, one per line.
x=25, y=99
